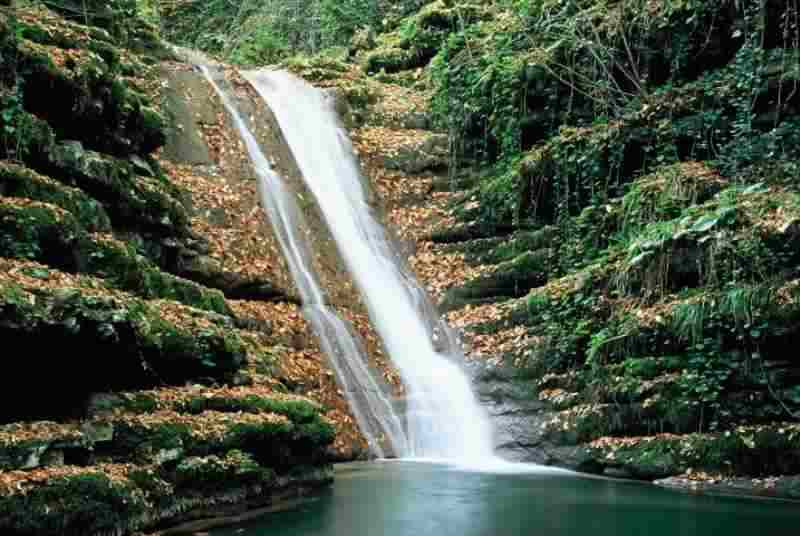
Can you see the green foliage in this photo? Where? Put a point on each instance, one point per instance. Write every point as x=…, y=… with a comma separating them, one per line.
x=88, y=504
x=262, y=45
x=755, y=451
x=121, y=265
x=19, y=181
x=32, y=230
x=257, y=33
x=194, y=345
x=216, y=473
x=340, y=19
x=297, y=411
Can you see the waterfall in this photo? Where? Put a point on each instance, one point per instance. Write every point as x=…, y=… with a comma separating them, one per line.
x=444, y=418
x=371, y=407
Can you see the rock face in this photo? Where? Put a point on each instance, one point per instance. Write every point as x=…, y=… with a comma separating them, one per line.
x=184, y=142
x=146, y=385
x=520, y=421
x=429, y=153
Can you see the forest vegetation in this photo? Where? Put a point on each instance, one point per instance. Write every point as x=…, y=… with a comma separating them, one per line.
x=622, y=185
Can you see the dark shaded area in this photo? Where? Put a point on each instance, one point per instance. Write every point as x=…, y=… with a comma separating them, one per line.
x=65, y=369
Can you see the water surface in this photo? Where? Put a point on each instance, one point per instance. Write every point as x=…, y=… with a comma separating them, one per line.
x=411, y=499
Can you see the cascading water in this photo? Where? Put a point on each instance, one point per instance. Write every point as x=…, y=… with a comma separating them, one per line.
x=372, y=409
x=444, y=419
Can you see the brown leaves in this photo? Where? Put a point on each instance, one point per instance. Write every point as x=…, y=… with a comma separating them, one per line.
x=15, y=482
x=16, y=433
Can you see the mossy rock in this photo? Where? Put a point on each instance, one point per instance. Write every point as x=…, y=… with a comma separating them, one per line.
x=116, y=16
x=666, y=193
x=507, y=248
x=582, y=423
x=742, y=232
x=131, y=200
x=395, y=59
x=8, y=44
x=210, y=474
x=121, y=265
x=210, y=272
x=271, y=440
x=753, y=451
x=46, y=233
x=85, y=100
x=22, y=450
x=419, y=37
x=20, y=181
x=297, y=411
x=39, y=231
x=567, y=171
x=120, y=499
x=318, y=68
x=511, y=279
x=89, y=503
x=114, y=341
x=41, y=26
x=46, y=27
x=23, y=136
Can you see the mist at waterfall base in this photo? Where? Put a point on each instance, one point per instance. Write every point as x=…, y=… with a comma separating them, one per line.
x=444, y=418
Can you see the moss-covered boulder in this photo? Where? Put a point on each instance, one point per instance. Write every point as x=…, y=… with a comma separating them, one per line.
x=45, y=233
x=132, y=200
x=24, y=446
x=510, y=279
x=753, y=451
x=84, y=502
x=123, y=499
x=112, y=339
x=82, y=99
x=125, y=268
x=19, y=181
x=419, y=37
x=40, y=231
x=209, y=474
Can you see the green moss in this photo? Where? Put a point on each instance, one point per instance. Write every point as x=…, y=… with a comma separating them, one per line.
x=141, y=441
x=317, y=431
x=664, y=194
x=393, y=59
x=38, y=231
x=213, y=473
x=297, y=411
x=134, y=403
x=754, y=451
x=19, y=181
x=509, y=248
x=131, y=200
x=64, y=34
x=122, y=266
x=136, y=333
x=45, y=233
x=419, y=37
x=84, y=504
x=707, y=244
x=81, y=100
x=24, y=135
x=316, y=68
x=511, y=279
x=150, y=129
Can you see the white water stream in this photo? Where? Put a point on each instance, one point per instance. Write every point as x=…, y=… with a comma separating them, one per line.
x=443, y=417
x=371, y=407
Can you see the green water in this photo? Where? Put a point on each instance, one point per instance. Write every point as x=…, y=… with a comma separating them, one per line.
x=415, y=499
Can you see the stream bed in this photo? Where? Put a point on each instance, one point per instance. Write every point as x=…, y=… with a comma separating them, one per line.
x=397, y=498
